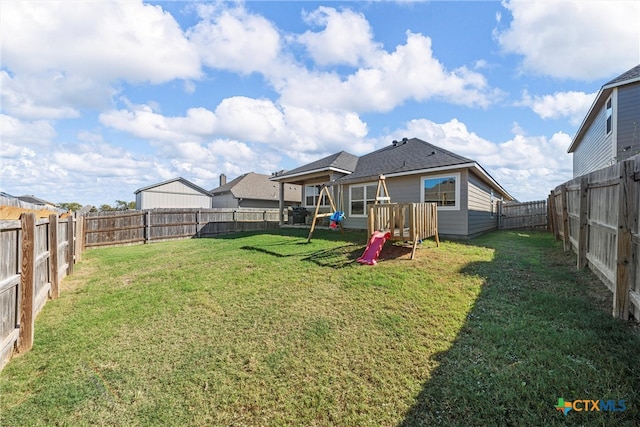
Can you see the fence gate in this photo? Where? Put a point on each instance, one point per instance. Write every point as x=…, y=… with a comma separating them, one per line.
x=523, y=216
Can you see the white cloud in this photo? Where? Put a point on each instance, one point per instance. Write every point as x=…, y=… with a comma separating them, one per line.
x=528, y=167
x=99, y=160
x=233, y=39
x=283, y=128
x=65, y=56
x=16, y=131
x=143, y=122
x=256, y=120
x=571, y=105
x=388, y=79
x=346, y=39
x=40, y=97
x=585, y=40
x=104, y=40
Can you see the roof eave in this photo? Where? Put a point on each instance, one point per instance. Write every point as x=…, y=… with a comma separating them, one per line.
x=588, y=118
x=469, y=165
x=284, y=178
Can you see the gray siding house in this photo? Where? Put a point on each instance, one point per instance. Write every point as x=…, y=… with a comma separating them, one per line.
x=415, y=171
x=252, y=190
x=610, y=132
x=174, y=193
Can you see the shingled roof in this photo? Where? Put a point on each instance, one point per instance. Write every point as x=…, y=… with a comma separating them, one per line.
x=341, y=161
x=258, y=187
x=407, y=155
x=626, y=77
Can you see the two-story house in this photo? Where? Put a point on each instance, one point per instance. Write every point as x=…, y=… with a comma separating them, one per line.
x=610, y=132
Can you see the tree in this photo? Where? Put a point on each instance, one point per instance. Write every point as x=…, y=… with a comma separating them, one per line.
x=70, y=206
x=121, y=205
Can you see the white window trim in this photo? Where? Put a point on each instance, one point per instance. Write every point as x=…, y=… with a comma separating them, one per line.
x=364, y=185
x=318, y=195
x=456, y=175
x=606, y=115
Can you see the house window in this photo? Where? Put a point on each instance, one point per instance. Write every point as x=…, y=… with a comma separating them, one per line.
x=609, y=116
x=311, y=193
x=443, y=190
x=362, y=197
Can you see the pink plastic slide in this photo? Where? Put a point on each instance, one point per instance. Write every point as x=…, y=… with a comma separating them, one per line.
x=374, y=247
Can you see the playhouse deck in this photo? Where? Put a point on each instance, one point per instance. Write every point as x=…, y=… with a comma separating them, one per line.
x=411, y=222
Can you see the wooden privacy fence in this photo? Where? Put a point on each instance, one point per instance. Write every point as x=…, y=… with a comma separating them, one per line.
x=36, y=255
x=134, y=227
x=596, y=215
x=523, y=216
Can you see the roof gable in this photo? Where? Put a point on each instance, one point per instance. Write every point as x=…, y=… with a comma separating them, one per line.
x=625, y=78
x=631, y=76
x=342, y=161
x=258, y=187
x=179, y=179
x=30, y=198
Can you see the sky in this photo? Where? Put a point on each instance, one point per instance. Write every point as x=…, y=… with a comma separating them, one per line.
x=101, y=98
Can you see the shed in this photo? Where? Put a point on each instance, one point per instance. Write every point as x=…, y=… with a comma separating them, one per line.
x=174, y=193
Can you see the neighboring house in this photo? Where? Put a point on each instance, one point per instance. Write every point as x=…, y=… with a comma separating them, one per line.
x=415, y=171
x=253, y=190
x=174, y=193
x=36, y=201
x=610, y=132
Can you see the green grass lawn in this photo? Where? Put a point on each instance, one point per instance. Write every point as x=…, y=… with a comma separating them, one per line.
x=264, y=329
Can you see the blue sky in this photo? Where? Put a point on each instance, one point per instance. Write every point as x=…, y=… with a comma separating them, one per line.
x=101, y=98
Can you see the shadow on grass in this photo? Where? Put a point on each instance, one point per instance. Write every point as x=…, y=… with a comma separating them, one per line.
x=336, y=257
x=319, y=234
x=538, y=331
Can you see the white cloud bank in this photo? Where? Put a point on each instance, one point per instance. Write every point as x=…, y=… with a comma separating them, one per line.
x=67, y=60
x=583, y=40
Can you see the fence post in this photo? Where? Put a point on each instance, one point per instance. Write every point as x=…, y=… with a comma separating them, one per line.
x=565, y=218
x=584, y=216
x=235, y=221
x=556, y=219
x=198, y=223
x=147, y=227
x=79, y=236
x=53, y=255
x=626, y=220
x=27, y=276
x=550, y=218
x=71, y=246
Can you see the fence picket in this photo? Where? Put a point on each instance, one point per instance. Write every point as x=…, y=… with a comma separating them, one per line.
x=607, y=240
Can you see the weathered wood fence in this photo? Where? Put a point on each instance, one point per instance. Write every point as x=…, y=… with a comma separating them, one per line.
x=136, y=227
x=596, y=215
x=523, y=216
x=36, y=254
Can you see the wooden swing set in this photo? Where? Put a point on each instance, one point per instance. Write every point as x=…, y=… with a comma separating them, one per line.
x=412, y=222
x=317, y=215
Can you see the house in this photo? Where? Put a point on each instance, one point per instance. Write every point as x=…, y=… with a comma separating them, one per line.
x=252, y=190
x=174, y=193
x=31, y=199
x=610, y=132
x=415, y=172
